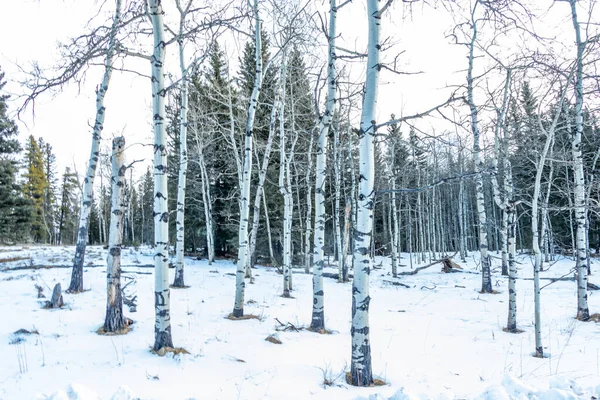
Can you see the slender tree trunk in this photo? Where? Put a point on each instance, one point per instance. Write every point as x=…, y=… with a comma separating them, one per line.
x=238, y=308
x=309, y=226
x=179, y=281
x=361, y=370
x=539, y=350
x=545, y=230
x=261, y=183
x=162, y=294
x=583, y=312
x=337, y=160
x=285, y=186
x=318, y=311
x=76, y=285
x=114, y=321
x=207, y=200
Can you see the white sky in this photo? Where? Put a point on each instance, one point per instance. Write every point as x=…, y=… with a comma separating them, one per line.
x=31, y=28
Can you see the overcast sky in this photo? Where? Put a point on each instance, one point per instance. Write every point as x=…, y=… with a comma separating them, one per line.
x=31, y=28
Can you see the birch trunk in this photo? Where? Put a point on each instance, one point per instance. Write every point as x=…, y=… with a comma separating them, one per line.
x=114, y=320
x=285, y=188
x=162, y=294
x=309, y=226
x=207, y=200
x=461, y=214
x=539, y=350
x=361, y=370
x=583, y=312
x=179, y=281
x=486, y=273
x=261, y=184
x=500, y=196
x=318, y=311
x=76, y=285
x=240, y=285
x=337, y=163
x=511, y=325
x=545, y=230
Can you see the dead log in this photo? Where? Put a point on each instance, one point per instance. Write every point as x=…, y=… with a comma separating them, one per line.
x=449, y=266
x=335, y=275
x=36, y=267
x=442, y=260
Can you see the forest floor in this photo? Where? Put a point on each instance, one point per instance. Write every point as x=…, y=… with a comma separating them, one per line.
x=438, y=339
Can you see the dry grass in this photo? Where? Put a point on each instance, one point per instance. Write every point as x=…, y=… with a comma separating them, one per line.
x=180, y=287
x=231, y=317
x=273, y=339
x=595, y=317
x=11, y=259
x=123, y=331
x=321, y=331
x=22, y=331
x=173, y=350
x=376, y=381
x=505, y=329
x=492, y=292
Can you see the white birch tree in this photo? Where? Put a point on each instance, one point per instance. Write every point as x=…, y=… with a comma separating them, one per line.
x=114, y=320
x=76, y=284
x=162, y=294
x=238, y=308
x=361, y=370
x=583, y=312
x=318, y=310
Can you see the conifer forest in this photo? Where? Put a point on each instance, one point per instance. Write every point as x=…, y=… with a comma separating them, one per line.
x=331, y=199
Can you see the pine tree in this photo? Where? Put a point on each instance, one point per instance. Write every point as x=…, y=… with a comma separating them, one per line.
x=15, y=210
x=67, y=217
x=50, y=204
x=35, y=189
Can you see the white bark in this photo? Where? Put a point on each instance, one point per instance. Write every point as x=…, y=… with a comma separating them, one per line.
x=238, y=308
x=285, y=186
x=76, y=285
x=361, y=369
x=114, y=320
x=207, y=200
x=162, y=294
x=179, y=280
x=309, y=225
x=500, y=197
x=583, y=312
x=318, y=311
x=486, y=273
x=539, y=350
x=337, y=164
x=262, y=174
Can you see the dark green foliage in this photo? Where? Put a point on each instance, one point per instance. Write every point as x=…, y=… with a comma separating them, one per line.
x=15, y=210
x=69, y=208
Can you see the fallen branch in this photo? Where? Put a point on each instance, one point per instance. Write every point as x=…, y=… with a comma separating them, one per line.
x=35, y=267
x=446, y=260
x=397, y=284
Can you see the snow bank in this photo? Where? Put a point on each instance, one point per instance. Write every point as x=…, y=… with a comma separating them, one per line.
x=559, y=388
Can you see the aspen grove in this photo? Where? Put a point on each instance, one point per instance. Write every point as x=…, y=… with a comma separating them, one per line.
x=330, y=199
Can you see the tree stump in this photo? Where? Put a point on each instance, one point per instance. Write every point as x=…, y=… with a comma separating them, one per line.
x=57, y=300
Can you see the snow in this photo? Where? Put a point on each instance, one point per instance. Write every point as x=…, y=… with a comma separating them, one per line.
x=439, y=339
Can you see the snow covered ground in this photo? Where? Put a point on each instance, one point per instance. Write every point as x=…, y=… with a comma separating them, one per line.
x=438, y=339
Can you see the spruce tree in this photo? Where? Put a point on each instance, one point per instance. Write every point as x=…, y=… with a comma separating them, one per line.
x=15, y=210
x=36, y=186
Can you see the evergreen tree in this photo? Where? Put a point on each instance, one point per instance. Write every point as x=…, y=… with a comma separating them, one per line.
x=15, y=210
x=35, y=189
x=50, y=205
x=69, y=203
